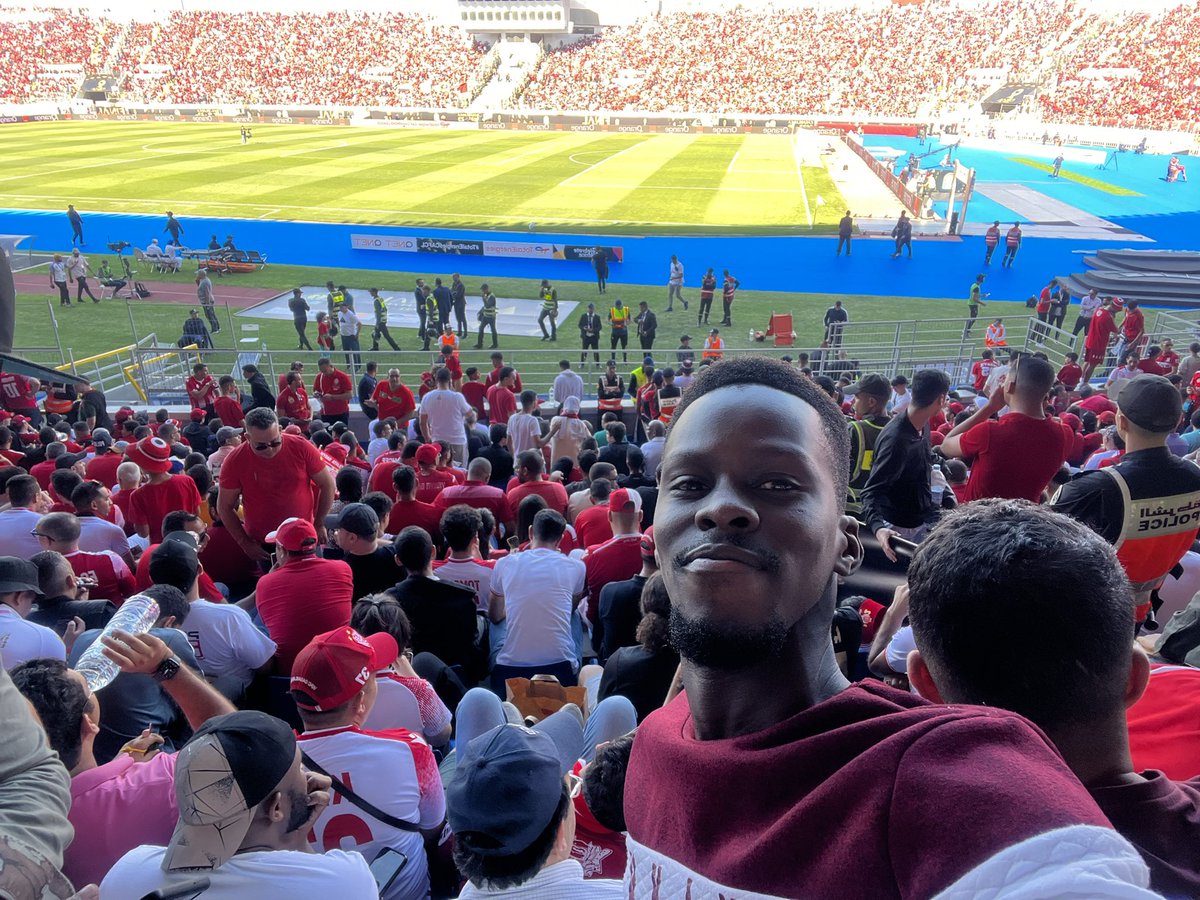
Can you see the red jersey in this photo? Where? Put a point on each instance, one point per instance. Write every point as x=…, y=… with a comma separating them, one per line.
x=1101, y=331
x=599, y=850
x=479, y=495
x=273, y=489
x=494, y=378
x=121, y=501
x=980, y=372
x=103, y=468
x=453, y=366
x=206, y=387
x=430, y=484
x=16, y=392
x=1070, y=375
x=1014, y=457
x=1170, y=359
x=324, y=341
x=292, y=403
x=151, y=502
x=1164, y=725
x=474, y=392
x=1043, y=304
x=414, y=512
x=593, y=527
x=502, y=404
x=381, y=475
x=114, y=581
x=229, y=411
x=618, y=559
x=306, y=597
x=552, y=492
x=1133, y=324
x=396, y=403
x=1154, y=366
x=336, y=382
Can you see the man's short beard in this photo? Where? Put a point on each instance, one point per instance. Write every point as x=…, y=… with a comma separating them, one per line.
x=719, y=645
x=300, y=811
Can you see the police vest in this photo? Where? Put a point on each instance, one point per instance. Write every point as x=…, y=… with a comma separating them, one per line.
x=610, y=403
x=666, y=407
x=336, y=299
x=1155, y=534
x=619, y=316
x=58, y=404
x=549, y=303
x=867, y=434
x=489, y=307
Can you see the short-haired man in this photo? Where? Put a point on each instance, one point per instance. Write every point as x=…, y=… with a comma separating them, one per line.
x=443, y=415
x=246, y=806
x=751, y=548
x=511, y=808
x=93, y=505
x=589, y=334
x=656, y=439
x=1018, y=454
x=442, y=613
x=27, y=504
x=499, y=455
x=976, y=583
x=897, y=498
x=1148, y=505
x=461, y=526
x=620, y=603
x=333, y=684
x=107, y=575
x=617, y=448
x=355, y=530
x=535, y=592
x=59, y=603
x=271, y=478
x=129, y=801
x=871, y=396
x=22, y=640
x=478, y=493
x=303, y=595
x=501, y=399
x=333, y=388
x=392, y=399
x=567, y=383
x=408, y=510
x=530, y=466
x=618, y=558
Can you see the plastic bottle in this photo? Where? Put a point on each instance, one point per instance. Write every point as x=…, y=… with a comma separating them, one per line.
x=137, y=615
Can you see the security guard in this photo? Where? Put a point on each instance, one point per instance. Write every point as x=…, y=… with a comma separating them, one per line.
x=549, y=298
x=871, y=396
x=487, y=316
x=618, y=320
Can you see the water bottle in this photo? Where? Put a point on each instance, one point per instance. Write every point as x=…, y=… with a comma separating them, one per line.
x=137, y=615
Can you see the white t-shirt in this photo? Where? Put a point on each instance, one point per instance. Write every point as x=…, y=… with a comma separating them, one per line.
x=262, y=873
x=225, y=640
x=523, y=430
x=899, y=402
x=567, y=384
x=16, y=538
x=377, y=447
x=539, y=588
x=472, y=574
x=58, y=272
x=348, y=322
x=396, y=772
x=96, y=535
x=446, y=411
x=21, y=641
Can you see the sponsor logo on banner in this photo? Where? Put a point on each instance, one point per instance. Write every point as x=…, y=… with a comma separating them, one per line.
x=677, y=129
x=582, y=127
x=518, y=250
x=776, y=130
x=615, y=254
x=494, y=126
x=724, y=129
x=383, y=242
x=630, y=129
x=449, y=245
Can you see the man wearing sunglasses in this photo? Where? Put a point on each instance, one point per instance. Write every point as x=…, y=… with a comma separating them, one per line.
x=271, y=476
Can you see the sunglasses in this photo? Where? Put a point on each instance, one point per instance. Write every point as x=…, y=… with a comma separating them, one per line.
x=267, y=445
x=38, y=534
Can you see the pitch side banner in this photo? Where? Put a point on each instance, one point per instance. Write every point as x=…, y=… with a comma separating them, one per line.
x=467, y=247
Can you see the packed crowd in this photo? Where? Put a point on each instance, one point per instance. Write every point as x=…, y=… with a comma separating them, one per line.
x=893, y=60
x=265, y=654
x=328, y=59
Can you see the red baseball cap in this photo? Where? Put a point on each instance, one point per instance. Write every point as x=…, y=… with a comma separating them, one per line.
x=427, y=454
x=622, y=498
x=336, y=665
x=648, y=541
x=198, y=415
x=293, y=429
x=1108, y=417
x=294, y=535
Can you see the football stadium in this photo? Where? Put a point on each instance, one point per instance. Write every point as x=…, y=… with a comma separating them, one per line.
x=670, y=412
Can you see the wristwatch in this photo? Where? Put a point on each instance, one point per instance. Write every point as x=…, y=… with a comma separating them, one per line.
x=167, y=669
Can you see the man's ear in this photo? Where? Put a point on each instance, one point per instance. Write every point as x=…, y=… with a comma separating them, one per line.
x=851, y=555
x=1139, y=676
x=920, y=678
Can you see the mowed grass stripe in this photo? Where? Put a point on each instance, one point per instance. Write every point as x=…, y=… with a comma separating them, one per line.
x=1096, y=183
x=687, y=175
x=759, y=186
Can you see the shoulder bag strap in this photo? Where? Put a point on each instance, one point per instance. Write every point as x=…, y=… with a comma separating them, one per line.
x=353, y=798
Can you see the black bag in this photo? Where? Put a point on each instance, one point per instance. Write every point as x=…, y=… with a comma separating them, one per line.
x=141, y=290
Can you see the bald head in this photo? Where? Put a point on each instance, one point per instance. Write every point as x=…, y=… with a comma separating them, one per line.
x=479, y=469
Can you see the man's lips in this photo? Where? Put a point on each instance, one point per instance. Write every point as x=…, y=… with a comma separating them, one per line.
x=722, y=557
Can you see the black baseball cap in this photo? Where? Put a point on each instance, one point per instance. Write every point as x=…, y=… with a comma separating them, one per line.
x=102, y=439
x=18, y=575
x=175, y=561
x=357, y=518
x=874, y=385
x=68, y=459
x=1151, y=402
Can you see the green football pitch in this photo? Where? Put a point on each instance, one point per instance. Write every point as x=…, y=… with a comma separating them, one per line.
x=749, y=184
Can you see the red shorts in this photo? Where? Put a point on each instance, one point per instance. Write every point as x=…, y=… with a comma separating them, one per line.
x=1094, y=357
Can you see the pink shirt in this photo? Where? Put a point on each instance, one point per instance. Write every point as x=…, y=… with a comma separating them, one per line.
x=116, y=807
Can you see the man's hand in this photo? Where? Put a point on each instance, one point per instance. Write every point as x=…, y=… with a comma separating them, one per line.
x=144, y=747
x=74, y=628
x=997, y=401
x=322, y=534
x=254, y=550
x=317, y=787
x=43, y=504
x=135, y=654
x=900, y=600
x=884, y=536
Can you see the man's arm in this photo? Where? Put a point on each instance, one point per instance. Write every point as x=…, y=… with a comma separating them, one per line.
x=35, y=787
x=496, y=610
x=423, y=425
x=142, y=654
x=324, y=481
x=892, y=621
x=952, y=445
x=228, y=500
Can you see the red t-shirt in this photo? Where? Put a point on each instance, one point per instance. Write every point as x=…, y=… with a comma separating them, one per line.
x=224, y=561
x=1170, y=359
x=381, y=475
x=208, y=590
x=552, y=492
x=205, y=384
x=103, y=468
x=502, y=404
x=617, y=559
x=114, y=581
x=474, y=393
x=430, y=484
x=336, y=382
x=1154, y=366
x=494, y=378
x=229, y=411
x=13, y=456
x=121, y=500
x=306, y=597
x=920, y=795
x=42, y=472
x=293, y=404
x=151, y=502
x=593, y=527
x=396, y=403
x=16, y=392
x=452, y=365
x=273, y=489
x=1070, y=375
x=1164, y=725
x=1133, y=324
x=1014, y=457
x=1097, y=403
x=600, y=850
x=1043, y=305
x=479, y=495
x=414, y=512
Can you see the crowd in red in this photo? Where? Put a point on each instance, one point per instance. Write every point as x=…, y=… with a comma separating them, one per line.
x=27, y=46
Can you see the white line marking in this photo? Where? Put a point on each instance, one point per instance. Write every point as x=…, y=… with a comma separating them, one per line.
x=608, y=158
x=682, y=187
x=340, y=145
x=800, y=178
x=269, y=212
x=737, y=153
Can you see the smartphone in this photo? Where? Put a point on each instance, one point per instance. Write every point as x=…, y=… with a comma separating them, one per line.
x=904, y=545
x=514, y=543
x=386, y=866
x=186, y=890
